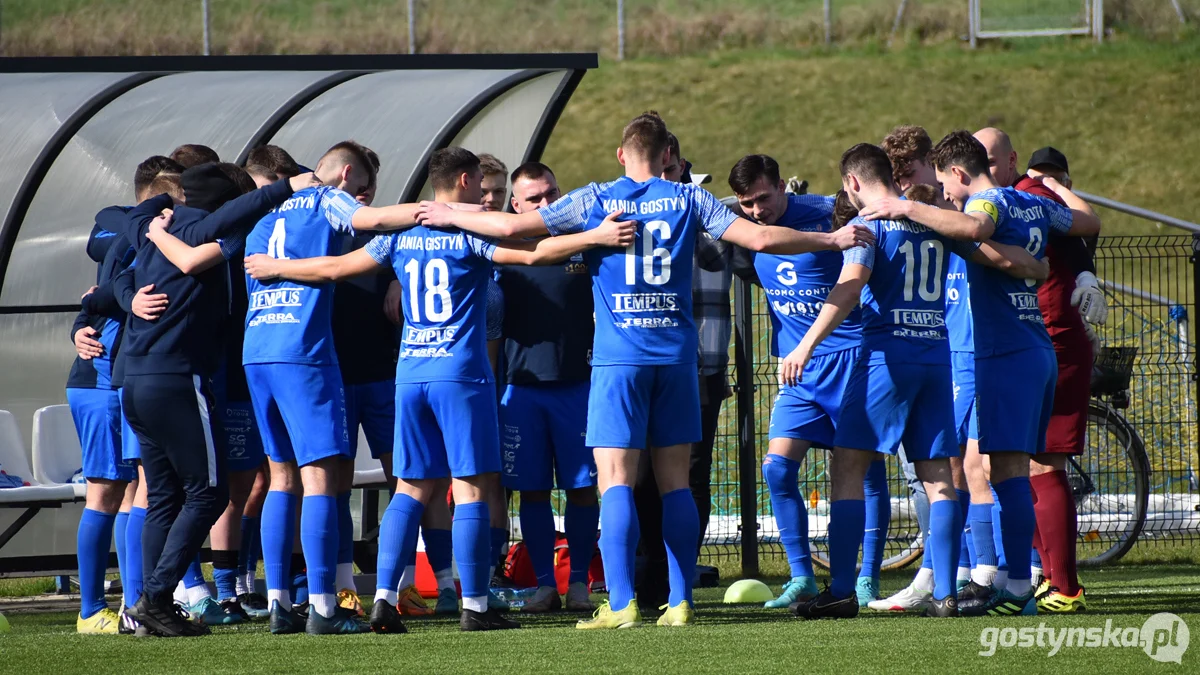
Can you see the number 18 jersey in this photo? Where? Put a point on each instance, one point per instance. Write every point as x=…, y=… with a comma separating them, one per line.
x=445, y=274
x=643, y=293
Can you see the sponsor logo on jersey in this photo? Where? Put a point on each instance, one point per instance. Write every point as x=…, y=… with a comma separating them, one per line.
x=919, y=318
x=425, y=353
x=1024, y=301
x=575, y=268
x=648, y=322
x=429, y=336
x=276, y=297
x=788, y=308
x=645, y=302
x=274, y=318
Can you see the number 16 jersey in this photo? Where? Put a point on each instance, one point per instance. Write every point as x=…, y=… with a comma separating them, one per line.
x=642, y=293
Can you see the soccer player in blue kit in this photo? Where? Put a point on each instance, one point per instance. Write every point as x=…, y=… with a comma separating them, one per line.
x=296, y=388
x=806, y=414
x=447, y=420
x=1015, y=368
x=900, y=390
x=644, y=385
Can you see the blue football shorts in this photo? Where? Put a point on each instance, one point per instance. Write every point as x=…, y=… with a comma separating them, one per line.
x=962, y=369
x=809, y=410
x=632, y=405
x=1015, y=400
x=543, y=433
x=889, y=404
x=446, y=429
x=97, y=415
x=373, y=407
x=301, y=411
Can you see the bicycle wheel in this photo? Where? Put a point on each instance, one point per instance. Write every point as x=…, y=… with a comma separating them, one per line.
x=1111, y=486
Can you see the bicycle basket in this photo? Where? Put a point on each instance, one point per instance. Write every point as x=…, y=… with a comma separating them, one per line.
x=1112, y=370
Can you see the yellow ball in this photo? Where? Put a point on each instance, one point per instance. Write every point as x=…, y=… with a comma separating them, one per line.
x=748, y=591
x=4, y=626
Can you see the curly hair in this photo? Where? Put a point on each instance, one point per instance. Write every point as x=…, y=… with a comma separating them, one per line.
x=926, y=194
x=906, y=144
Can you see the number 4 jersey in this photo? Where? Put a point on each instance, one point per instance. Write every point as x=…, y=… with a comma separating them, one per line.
x=445, y=274
x=289, y=322
x=643, y=294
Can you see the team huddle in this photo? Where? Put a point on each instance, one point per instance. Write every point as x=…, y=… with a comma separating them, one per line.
x=248, y=321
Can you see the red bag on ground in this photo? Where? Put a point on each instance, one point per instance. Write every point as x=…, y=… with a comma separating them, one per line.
x=520, y=567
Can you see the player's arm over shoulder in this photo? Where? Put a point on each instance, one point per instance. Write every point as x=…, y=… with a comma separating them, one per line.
x=1010, y=259
x=322, y=270
x=1077, y=218
x=611, y=232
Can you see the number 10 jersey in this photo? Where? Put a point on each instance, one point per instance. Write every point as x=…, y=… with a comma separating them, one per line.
x=642, y=293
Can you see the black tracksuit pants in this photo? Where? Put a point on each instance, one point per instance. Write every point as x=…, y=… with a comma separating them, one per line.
x=185, y=477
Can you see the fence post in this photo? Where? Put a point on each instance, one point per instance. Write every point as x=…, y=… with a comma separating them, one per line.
x=1098, y=19
x=747, y=455
x=620, y=30
x=204, y=18
x=1179, y=12
x=1195, y=311
x=412, y=26
x=828, y=11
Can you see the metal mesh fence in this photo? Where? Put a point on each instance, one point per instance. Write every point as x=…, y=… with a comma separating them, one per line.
x=1150, y=284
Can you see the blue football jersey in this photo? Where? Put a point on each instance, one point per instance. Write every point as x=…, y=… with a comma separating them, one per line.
x=445, y=274
x=797, y=285
x=1008, y=305
x=903, y=303
x=289, y=322
x=959, y=322
x=643, y=293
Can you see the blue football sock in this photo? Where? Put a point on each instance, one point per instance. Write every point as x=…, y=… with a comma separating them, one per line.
x=471, y=547
x=132, y=581
x=846, y=520
x=980, y=516
x=681, y=534
x=964, y=548
x=791, y=517
x=878, y=506
x=93, y=540
x=345, y=521
x=319, y=541
x=397, y=532
x=581, y=525
x=119, y=526
x=998, y=531
x=1016, y=509
x=945, y=521
x=498, y=544
x=439, y=548
x=619, y=533
x=194, y=575
x=225, y=574
x=277, y=533
x=537, y=526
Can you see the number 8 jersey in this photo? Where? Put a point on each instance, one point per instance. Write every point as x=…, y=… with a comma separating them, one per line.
x=643, y=293
x=289, y=322
x=445, y=274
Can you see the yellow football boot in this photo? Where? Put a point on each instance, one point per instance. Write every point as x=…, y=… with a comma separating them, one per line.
x=605, y=617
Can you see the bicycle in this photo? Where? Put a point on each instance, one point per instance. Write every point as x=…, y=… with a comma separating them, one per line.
x=1110, y=481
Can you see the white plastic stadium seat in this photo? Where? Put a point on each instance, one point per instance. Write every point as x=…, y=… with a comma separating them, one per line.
x=367, y=470
x=56, y=452
x=14, y=462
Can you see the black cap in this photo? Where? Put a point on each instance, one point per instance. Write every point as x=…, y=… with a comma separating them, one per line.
x=1048, y=156
x=207, y=187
